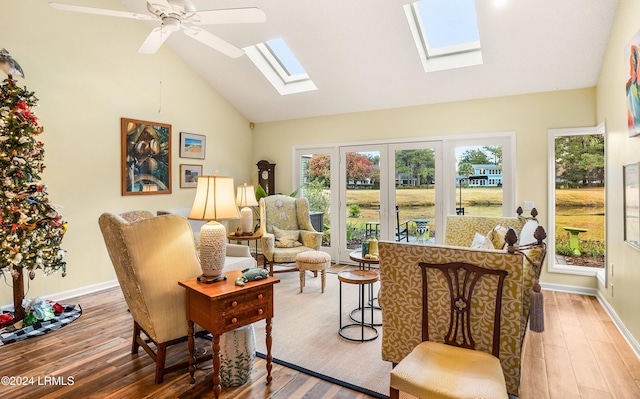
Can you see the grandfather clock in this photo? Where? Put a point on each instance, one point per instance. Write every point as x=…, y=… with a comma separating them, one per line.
x=267, y=176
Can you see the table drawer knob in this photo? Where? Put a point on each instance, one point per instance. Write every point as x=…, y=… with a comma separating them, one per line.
x=260, y=311
x=234, y=304
x=234, y=320
x=260, y=296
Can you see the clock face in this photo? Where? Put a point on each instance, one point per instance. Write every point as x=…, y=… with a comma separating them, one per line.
x=265, y=174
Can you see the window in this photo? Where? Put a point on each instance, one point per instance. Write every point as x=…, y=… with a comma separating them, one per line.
x=279, y=65
x=576, y=235
x=402, y=191
x=445, y=33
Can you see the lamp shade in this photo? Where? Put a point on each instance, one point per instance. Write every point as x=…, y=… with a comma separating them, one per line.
x=246, y=196
x=214, y=199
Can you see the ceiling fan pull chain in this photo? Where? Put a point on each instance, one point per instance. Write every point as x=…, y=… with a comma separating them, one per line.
x=160, y=89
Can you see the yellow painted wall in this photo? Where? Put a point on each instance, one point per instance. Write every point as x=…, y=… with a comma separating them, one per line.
x=87, y=75
x=530, y=116
x=622, y=293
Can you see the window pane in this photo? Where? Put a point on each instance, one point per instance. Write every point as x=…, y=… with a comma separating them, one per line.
x=415, y=188
x=285, y=56
x=479, y=181
x=316, y=187
x=363, y=197
x=448, y=23
x=579, y=196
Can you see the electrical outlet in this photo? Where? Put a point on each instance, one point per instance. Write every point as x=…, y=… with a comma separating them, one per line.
x=528, y=205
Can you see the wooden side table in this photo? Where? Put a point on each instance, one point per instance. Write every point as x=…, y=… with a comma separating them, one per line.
x=253, y=237
x=361, y=278
x=357, y=256
x=223, y=306
x=365, y=264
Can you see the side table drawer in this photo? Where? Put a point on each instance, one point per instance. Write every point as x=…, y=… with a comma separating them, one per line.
x=245, y=309
x=253, y=298
x=234, y=320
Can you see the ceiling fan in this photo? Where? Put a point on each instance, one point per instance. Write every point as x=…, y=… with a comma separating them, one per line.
x=176, y=14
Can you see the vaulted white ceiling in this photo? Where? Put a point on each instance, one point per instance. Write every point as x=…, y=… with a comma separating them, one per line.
x=361, y=56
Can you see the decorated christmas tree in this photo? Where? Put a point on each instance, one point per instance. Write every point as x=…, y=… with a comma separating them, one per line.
x=31, y=228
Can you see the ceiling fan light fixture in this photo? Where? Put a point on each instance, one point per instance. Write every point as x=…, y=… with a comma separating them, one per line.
x=171, y=24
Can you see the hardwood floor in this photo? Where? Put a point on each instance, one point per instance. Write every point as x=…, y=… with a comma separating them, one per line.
x=581, y=354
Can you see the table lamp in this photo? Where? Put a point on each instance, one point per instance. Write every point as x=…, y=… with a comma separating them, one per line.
x=214, y=201
x=245, y=198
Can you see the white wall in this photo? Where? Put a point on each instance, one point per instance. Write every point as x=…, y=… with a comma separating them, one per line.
x=87, y=75
x=622, y=293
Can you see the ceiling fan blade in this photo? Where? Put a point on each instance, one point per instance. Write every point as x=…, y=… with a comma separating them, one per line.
x=101, y=11
x=213, y=41
x=159, y=6
x=153, y=42
x=229, y=16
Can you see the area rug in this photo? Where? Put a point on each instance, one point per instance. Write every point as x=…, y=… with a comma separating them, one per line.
x=15, y=332
x=305, y=335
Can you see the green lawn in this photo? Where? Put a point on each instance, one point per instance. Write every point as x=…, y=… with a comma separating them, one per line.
x=577, y=207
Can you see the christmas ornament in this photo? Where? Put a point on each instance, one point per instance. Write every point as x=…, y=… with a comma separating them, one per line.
x=9, y=65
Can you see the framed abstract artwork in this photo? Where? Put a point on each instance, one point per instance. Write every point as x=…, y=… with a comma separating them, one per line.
x=632, y=86
x=631, y=175
x=146, y=157
x=189, y=175
x=192, y=145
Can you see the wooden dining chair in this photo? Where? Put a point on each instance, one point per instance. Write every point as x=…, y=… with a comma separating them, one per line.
x=460, y=353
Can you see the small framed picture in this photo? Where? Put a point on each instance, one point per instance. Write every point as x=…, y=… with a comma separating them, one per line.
x=192, y=145
x=189, y=175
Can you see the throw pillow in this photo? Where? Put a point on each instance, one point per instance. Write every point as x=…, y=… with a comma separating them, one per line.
x=526, y=235
x=482, y=242
x=286, y=238
x=496, y=235
x=287, y=243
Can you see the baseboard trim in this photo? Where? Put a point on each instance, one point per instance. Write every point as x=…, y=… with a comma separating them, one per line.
x=574, y=289
x=61, y=296
x=618, y=323
x=635, y=346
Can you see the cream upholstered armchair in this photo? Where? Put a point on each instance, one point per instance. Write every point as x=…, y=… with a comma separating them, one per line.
x=286, y=230
x=150, y=255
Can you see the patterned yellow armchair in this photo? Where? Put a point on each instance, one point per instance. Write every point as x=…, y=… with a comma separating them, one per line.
x=474, y=240
x=401, y=293
x=286, y=230
x=150, y=255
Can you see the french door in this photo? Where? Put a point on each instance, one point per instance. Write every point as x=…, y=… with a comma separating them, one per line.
x=402, y=191
x=362, y=206
x=315, y=178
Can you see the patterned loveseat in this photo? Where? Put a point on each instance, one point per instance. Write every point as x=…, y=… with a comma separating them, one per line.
x=401, y=290
x=460, y=231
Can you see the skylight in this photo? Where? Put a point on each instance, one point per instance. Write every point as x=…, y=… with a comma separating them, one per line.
x=445, y=33
x=279, y=65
